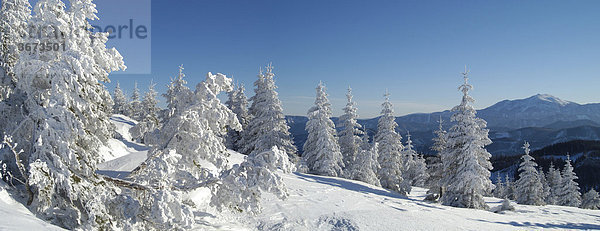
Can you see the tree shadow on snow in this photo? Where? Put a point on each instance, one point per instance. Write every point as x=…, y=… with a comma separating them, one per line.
x=349, y=185
x=135, y=146
x=568, y=225
x=122, y=120
x=114, y=174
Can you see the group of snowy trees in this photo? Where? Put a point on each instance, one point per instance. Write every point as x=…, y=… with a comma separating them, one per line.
x=384, y=162
x=534, y=187
x=55, y=118
x=144, y=110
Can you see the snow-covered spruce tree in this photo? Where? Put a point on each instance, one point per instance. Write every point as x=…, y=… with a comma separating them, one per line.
x=568, y=192
x=545, y=186
x=68, y=117
x=268, y=127
x=238, y=103
x=14, y=15
x=196, y=134
x=187, y=152
x=436, y=169
x=499, y=189
x=120, y=106
x=149, y=116
x=390, y=151
x=178, y=95
x=554, y=182
x=349, y=136
x=134, y=110
x=365, y=165
x=529, y=190
x=240, y=187
x=509, y=188
x=321, y=150
x=591, y=200
x=466, y=161
x=414, y=170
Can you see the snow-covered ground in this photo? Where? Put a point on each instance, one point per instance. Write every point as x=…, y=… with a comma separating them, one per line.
x=15, y=216
x=328, y=203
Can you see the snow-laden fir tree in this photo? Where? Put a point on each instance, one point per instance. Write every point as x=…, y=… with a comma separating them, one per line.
x=149, y=120
x=466, y=161
x=365, y=165
x=509, y=188
x=529, y=190
x=120, y=106
x=390, y=151
x=14, y=15
x=554, y=182
x=135, y=105
x=68, y=116
x=590, y=200
x=436, y=169
x=545, y=186
x=241, y=186
x=190, y=149
x=414, y=170
x=268, y=126
x=178, y=95
x=568, y=192
x=196, y=134
x=499, y=190
x=238, y=103
x=321, y=150
x=349, y=136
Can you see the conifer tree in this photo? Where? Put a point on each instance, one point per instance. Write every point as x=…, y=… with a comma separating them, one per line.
x=591, y=200
x=268, y=126
x=135, y=105
x=238, y=103
x=350, y=140
x=149, y=120
x=365, y=166
x=390, y=151
x=321, y=151
x=466, y=161
x=149, y=106
x=68, y=117
x=545, y=186
x=529, y=189
x=178, y=95
x=120, y=106
x=499, y=190
x=568, y=191
x=14, y=16
x=554, y=183
x=509, y=188
x=436, y=169
x=414, y=170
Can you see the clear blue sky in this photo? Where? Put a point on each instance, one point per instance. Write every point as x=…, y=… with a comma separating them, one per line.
x=415, y=49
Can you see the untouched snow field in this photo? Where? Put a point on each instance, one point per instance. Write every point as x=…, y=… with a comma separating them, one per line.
x=326, y=203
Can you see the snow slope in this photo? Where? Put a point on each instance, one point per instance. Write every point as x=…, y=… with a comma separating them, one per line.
x=329, y=203
x=15, y=216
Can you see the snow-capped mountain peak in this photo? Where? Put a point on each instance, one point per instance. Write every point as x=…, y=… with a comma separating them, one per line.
x=549, y=98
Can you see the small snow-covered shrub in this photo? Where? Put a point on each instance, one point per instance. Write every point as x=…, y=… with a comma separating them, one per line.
x=240, y=187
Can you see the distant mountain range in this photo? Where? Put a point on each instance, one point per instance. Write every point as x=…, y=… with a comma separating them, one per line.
x=540, y=119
